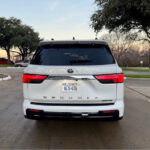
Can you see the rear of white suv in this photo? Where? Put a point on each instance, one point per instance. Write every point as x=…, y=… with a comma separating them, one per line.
x=73, y=79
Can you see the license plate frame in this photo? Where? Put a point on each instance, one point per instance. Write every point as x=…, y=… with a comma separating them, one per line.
x=69, y=87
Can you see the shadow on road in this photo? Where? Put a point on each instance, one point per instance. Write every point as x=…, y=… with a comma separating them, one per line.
x=74, y=134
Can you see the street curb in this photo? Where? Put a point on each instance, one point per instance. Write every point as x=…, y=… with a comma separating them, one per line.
x=6, y=78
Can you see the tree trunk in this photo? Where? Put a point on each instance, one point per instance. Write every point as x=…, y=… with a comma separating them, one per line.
x=23, y=57
x=22, y=53
x=8, y=55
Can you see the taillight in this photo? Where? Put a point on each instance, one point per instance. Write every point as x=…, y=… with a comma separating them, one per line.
x=107, y=79
x=28, y=78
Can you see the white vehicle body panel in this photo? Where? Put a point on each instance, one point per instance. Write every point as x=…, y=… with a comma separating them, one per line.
x=90, y=90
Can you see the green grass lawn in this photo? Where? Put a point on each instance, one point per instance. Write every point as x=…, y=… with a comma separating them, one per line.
x=7, y=65
x=137, y=76
x=135, y=69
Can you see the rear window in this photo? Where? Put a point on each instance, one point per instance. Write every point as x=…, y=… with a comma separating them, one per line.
x=60, y=55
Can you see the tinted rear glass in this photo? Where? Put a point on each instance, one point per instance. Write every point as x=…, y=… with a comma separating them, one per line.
x=73, y=55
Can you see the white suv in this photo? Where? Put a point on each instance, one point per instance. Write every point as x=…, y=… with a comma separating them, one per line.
x=73, y=79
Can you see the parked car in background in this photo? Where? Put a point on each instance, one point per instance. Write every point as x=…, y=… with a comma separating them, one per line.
x=24, y=63
x=73, y=79
x=4, y=61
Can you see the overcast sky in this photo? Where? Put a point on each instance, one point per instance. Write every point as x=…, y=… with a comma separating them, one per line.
x=60, y=19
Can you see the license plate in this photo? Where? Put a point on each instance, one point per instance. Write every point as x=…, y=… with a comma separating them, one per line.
x=69, y=87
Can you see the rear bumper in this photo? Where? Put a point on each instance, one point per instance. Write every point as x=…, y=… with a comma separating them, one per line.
x=52, y=111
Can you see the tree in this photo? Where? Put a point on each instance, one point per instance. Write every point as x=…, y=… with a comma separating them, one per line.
x=7, y=33
x=15, y=34
x=125, y=16
x=26, y=40
x=119, y=44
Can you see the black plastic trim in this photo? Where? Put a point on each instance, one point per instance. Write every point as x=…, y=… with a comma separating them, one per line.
x=54, y=104
x=64, y=115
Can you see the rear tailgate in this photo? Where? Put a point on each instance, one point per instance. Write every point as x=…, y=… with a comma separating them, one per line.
x=81, y=86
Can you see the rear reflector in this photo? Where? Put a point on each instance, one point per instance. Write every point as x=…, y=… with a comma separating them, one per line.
x=33, y=110
x=106, y=79
x=109, y=111
x=28, y=78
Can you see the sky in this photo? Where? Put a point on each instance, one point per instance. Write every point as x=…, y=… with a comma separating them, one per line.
x=58, y=19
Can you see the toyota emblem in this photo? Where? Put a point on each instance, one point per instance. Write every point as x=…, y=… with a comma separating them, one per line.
x=70, y=70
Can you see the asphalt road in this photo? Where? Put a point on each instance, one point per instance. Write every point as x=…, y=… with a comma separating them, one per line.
x=16, y=132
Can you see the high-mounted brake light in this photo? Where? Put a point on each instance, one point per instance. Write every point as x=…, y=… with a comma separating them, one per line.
x=107, y=79
x=28, y=78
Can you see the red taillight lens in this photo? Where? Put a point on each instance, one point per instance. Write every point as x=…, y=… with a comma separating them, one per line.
x=120, y=78
x=28, y=78
x=106, y=79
